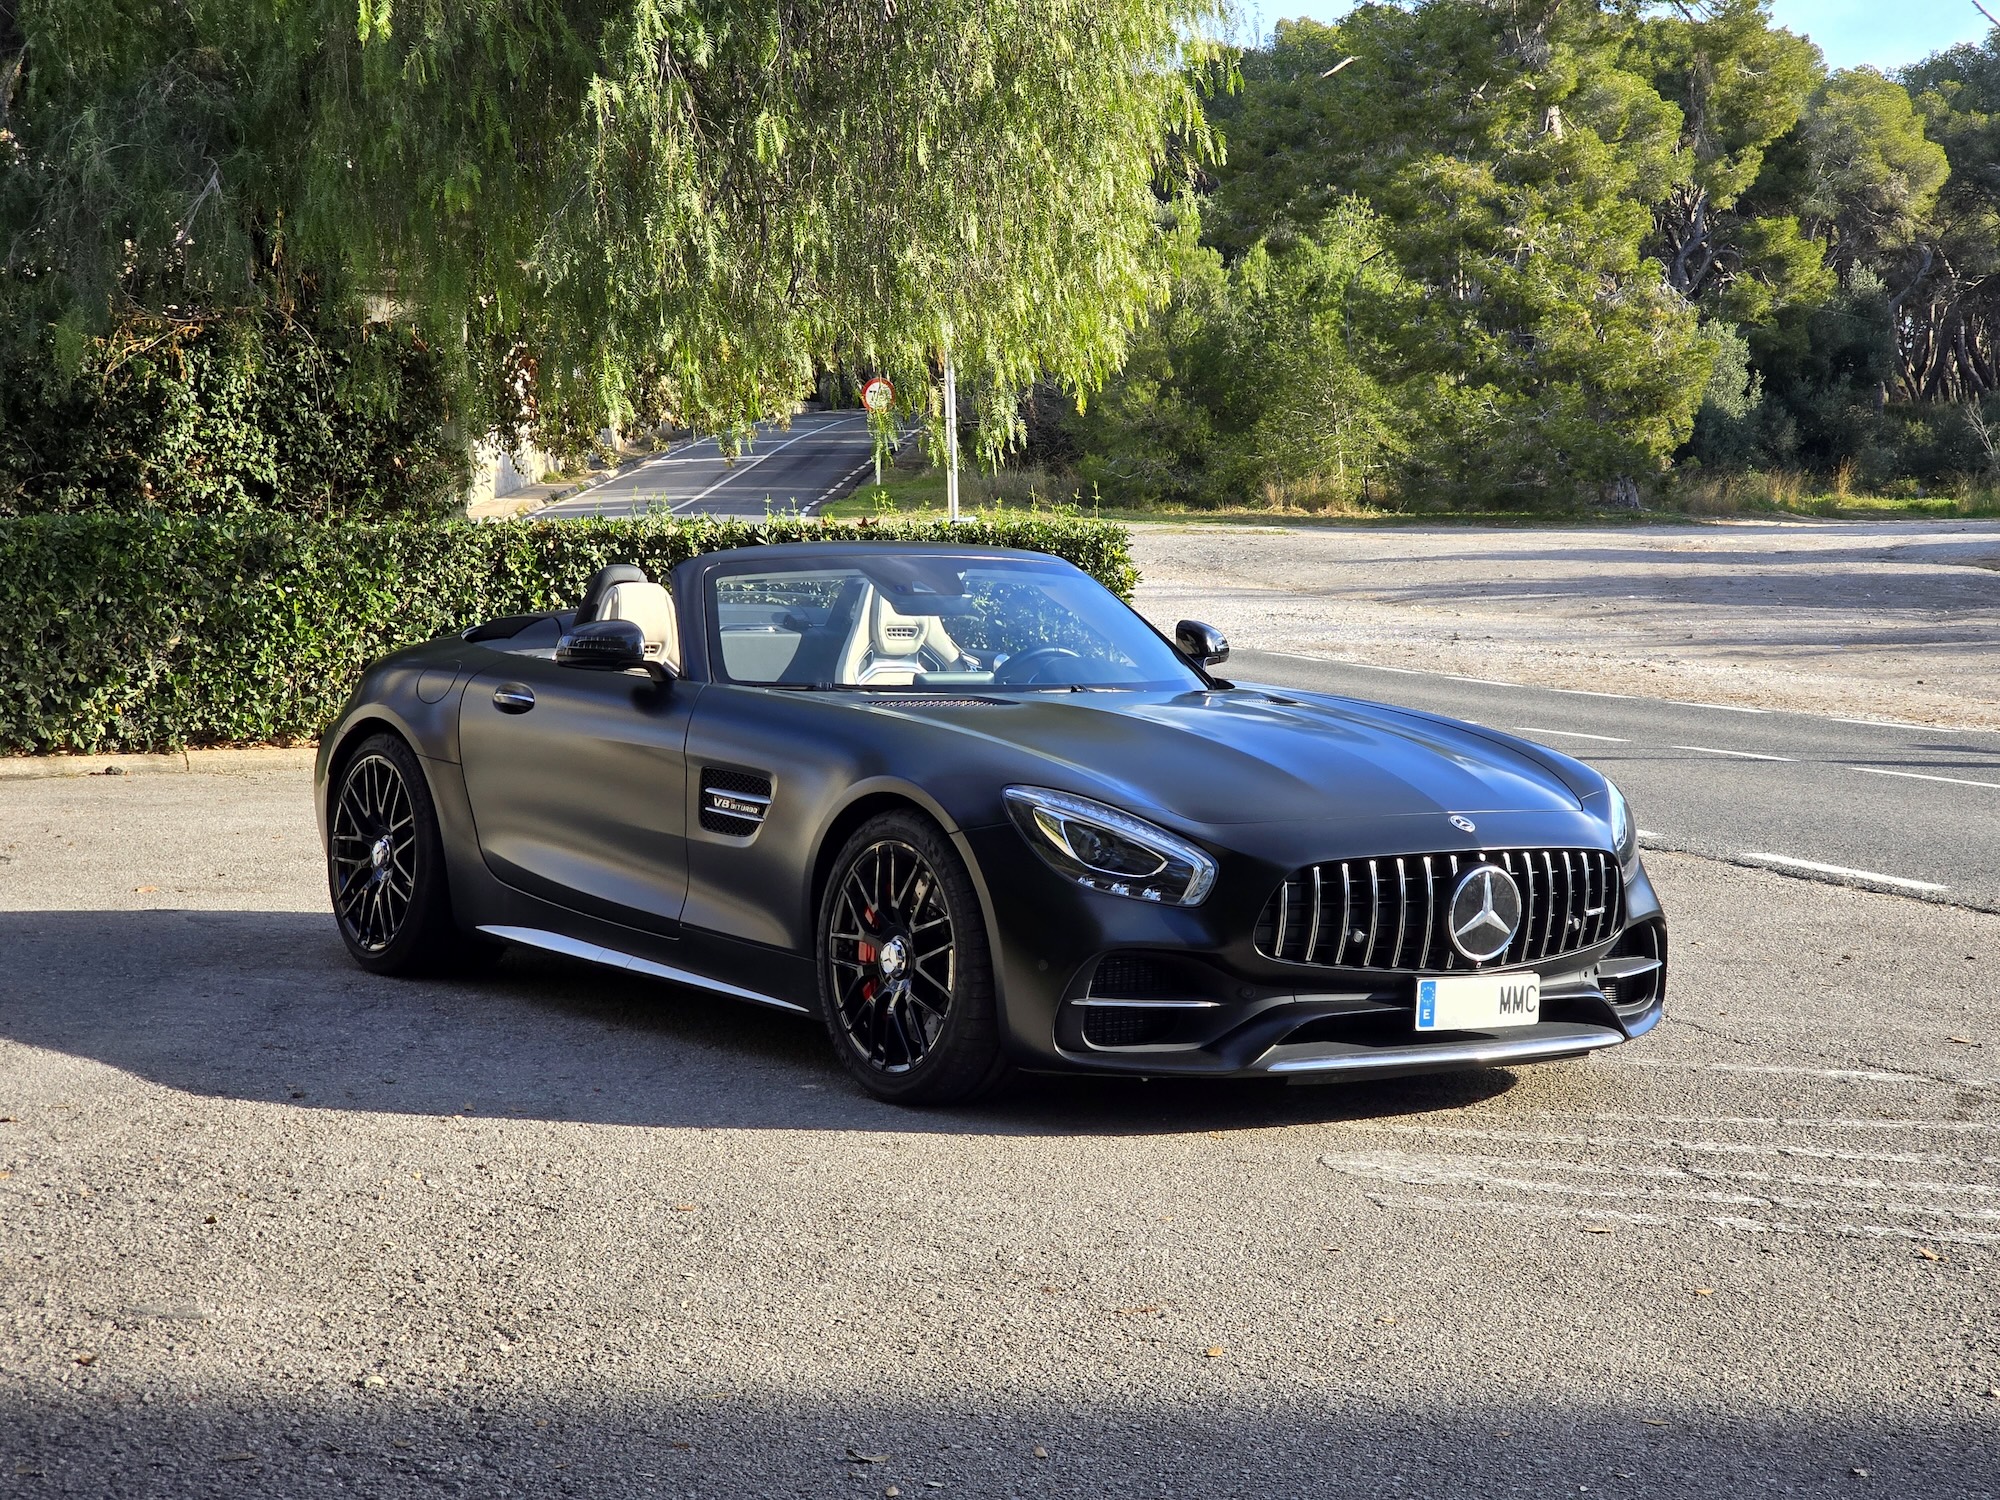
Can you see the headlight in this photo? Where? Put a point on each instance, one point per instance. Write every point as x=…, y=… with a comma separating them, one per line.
x=1622, y=840
x=1108, y=850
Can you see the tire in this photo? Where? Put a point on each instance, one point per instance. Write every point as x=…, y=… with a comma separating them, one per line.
x=914, y=1021
x=385, y=867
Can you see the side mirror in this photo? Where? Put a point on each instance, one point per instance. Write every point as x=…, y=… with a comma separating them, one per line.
x=1201, y=644
x=603, y=646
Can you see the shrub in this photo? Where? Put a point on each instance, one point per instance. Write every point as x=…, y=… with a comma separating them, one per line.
x=307, y=414
x=149, y=633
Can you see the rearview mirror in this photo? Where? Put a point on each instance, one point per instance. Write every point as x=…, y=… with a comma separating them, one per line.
x=603, y=646
x=1201, y=644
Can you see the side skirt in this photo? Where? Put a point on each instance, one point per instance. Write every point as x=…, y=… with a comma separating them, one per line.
x=555, y=942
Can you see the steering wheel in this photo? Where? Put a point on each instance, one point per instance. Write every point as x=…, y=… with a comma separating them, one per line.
x=1027, y=667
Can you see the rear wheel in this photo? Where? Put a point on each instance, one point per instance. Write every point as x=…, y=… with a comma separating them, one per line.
x=906, y=976
x=385, y=866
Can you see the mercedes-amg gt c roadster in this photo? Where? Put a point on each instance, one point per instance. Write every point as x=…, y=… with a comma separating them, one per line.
x=977, y=815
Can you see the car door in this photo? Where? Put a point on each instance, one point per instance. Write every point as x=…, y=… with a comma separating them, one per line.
x=578, y=785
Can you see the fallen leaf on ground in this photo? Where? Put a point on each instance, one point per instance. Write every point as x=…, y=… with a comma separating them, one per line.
x=892, y=1491
x=1963, y=1041
x=235, y=1458
x=1652, y=1421
x=1925, y=1252
x=1040, y=1451
x=1704, y=1291
x=86, y=1359
x=1859, y=1473
x=142, y=890
x=866, y=1458
x=686, y=1208
x=1597, y=1229
x=1213, y=1351
x=1153, y=1308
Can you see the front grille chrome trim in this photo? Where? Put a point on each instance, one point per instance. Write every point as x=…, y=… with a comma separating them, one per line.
x=1572, y=900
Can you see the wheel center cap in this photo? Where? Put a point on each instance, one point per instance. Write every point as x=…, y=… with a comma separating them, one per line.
x=382, y=851
x=895, y=957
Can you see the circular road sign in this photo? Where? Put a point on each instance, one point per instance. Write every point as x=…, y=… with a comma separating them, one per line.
x=878, y=395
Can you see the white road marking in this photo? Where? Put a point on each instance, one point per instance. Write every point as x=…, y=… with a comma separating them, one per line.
x=1716, y=1148
x=1901, y=724
x=1919, y=776
x=1657, y=1221
x=1728, y=708
x=1571, y=734
x=1738, y=754
x=1788, y=862
x=1801, y=1122
x=1587, y=693
x=1790, y=1070
x=743, y=469
x=1482, y=681
x=1651, y=833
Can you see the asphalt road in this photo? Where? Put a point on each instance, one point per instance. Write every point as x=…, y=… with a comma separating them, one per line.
x=272, y=1226
x=1897, y=807
x=819, y=458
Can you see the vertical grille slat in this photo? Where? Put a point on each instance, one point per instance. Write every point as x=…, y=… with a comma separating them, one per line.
x=1312, y=932
x=1394, y=909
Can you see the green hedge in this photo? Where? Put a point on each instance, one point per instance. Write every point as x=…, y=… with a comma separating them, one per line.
x=135, y=633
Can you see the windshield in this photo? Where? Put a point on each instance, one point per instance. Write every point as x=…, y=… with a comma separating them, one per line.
x=894, y=622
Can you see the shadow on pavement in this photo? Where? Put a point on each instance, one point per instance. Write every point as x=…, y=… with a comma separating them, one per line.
x=266, y=1006
x=631, y=1442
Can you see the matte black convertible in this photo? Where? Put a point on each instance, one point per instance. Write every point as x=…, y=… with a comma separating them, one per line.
x=978, y=815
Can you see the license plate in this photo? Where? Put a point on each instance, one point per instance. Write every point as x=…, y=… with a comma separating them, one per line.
x=1478, y=1002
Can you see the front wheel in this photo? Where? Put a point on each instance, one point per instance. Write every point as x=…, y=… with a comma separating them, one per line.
x=906, y=976
x=385, y=866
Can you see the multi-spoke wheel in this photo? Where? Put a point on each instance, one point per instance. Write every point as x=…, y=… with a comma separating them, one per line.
x=385, y=863
x=906, y=983
x=372, y=853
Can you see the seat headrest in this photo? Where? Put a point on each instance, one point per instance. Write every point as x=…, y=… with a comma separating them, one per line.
x=601, y=583
x=651, y=608
x=893, y=633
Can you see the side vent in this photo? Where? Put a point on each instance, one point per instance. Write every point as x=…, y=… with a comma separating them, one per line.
x=733, y=803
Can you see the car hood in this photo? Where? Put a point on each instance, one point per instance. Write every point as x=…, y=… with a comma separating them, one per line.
x=1250, y=755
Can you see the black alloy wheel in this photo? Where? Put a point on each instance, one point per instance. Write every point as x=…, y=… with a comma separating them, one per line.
x=372, y=853
x=906, y=980
x=385, y=866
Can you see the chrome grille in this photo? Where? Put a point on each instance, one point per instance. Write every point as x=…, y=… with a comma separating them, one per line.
x=1393, y=912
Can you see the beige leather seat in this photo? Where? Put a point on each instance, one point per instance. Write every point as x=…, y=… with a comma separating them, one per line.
x=885, y=644
x=651, y=608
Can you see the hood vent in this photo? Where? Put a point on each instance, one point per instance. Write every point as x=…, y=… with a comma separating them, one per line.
x=733, y=803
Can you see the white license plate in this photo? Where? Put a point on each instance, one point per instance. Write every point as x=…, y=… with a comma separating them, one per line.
x=1478, y=1002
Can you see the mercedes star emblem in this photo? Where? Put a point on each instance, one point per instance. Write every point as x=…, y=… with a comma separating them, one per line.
x=1463, y=824
x=1485, y=913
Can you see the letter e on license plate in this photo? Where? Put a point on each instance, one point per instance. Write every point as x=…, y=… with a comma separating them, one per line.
x=1478, y=1002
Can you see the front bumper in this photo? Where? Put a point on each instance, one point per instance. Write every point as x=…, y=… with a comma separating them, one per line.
x=1207, y=1003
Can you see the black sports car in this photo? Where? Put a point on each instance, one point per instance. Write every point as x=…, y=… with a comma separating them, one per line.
x=978, y=815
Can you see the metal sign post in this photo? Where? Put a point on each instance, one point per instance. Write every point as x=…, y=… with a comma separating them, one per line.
x=951, y=437
x=877, y=396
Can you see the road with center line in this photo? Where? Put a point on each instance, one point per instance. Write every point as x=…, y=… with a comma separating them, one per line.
x=821, y=456
x=1899, y=807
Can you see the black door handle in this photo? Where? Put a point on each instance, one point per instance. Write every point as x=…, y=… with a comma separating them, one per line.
x=513, y=697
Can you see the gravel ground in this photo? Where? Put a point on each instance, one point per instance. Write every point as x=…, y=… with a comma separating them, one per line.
x=1890, y=619
x=272, y=1226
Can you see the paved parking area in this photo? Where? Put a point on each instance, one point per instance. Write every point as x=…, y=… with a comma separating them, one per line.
x=271, y=1226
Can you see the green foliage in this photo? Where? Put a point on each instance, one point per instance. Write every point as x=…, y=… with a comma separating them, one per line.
x=1602, y=235
x=146, y=633
x=1256, y=375
x=311, y=417
x=610, y=207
